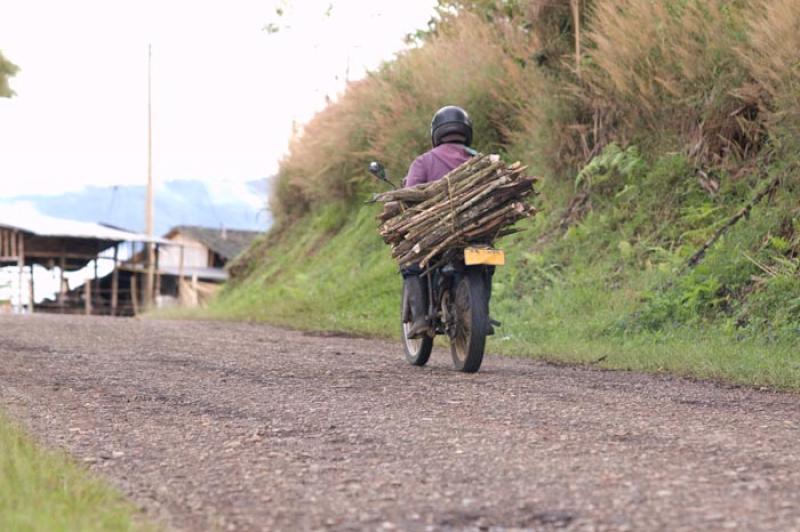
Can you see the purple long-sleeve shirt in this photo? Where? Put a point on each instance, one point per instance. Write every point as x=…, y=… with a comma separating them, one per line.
x=436, y=163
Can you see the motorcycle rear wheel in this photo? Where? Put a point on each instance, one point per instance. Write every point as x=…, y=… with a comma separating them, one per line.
x=417, y=351
x=471, y=313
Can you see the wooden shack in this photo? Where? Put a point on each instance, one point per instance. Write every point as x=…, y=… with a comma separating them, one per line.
x=191, y=261
x=28, y=239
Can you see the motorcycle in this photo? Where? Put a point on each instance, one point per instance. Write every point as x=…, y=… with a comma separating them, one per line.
x=459, y=287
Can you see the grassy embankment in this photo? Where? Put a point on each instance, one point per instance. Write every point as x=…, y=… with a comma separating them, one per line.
x=44, y=490
x=679, y=115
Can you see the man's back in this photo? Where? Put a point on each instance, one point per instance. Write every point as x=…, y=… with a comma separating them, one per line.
x=436, y=163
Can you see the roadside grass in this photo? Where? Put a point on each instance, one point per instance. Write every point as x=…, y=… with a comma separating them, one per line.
x=571, y=325
x=579, y=300
x=42, y=490
x=330, y=272
x=660, y=140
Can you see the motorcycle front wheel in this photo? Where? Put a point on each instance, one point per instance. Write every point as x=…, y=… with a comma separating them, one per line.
x=417, y=351
x=471, y=316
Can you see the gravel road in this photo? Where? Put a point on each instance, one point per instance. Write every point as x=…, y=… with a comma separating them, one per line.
x=238, y=426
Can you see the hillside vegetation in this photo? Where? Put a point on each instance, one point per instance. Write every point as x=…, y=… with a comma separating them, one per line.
x=651, y=129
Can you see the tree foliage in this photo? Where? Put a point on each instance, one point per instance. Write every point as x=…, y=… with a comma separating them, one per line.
x=7, y=70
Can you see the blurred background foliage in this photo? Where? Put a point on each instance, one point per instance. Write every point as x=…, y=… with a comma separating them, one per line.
x=7, y=70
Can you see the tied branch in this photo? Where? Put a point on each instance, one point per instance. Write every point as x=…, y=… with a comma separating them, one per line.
x=733, y=220
x=475, y=203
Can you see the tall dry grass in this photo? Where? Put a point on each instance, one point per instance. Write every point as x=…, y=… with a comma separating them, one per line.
x=707, y=77
x=386, y=116
x=671, y=69
x=322, y=162
x=548, y=24
x=772, y=56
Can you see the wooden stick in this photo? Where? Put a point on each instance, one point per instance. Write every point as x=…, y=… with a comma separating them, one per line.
x=87, y=297
x=700, y=253
x=115, y=282
x=475, y=202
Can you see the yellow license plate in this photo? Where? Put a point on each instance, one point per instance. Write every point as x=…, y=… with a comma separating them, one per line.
x=489, y=257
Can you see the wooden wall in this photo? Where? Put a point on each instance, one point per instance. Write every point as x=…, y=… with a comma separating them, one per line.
x=12, y=246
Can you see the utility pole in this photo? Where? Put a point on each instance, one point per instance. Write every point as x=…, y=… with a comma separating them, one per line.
x=148, y=297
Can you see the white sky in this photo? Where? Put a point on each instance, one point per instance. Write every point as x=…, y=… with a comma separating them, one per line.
x=225, y=92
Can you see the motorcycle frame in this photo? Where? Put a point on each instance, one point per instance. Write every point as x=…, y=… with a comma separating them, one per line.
x=437, y=275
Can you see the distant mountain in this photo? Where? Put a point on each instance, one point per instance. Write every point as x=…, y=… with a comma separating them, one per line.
x=233, y=205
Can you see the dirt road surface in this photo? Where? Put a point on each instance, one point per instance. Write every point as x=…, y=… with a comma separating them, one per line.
x=247, y=427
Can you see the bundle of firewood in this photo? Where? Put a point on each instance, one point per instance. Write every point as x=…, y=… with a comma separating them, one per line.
x=475, y=203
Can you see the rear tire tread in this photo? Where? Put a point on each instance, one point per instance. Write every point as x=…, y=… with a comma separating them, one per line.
x=479, y=303
x=423, y=353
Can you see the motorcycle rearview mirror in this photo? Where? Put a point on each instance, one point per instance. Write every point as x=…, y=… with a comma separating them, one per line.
x=377, y=169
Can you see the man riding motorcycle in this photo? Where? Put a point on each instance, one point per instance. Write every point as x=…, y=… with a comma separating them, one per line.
x=451, y=138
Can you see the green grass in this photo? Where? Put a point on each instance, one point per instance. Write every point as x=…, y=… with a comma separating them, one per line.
x=43, y=490
x=608, y=292
x=570, y=325
x=684, y=147
x=330, y=272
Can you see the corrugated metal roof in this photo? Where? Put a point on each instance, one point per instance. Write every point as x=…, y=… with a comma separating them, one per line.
x=227, y=243
x=210, y=274
x=28, y=219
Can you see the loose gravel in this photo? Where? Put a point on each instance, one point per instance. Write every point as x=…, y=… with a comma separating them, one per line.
x=233, y=426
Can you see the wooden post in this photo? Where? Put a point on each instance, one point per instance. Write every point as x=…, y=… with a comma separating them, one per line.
x=158, y=276
x=180, y=276
x=30, y=286
x=5, y=247
x=96, y=287
x=115, y=282
x=148, y=302
x=87, y=297
x=62, y=292
x=195, y=295
x=134, y=295
x=20, y=264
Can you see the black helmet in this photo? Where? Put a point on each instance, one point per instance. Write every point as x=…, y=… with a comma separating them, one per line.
x=448, y=121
